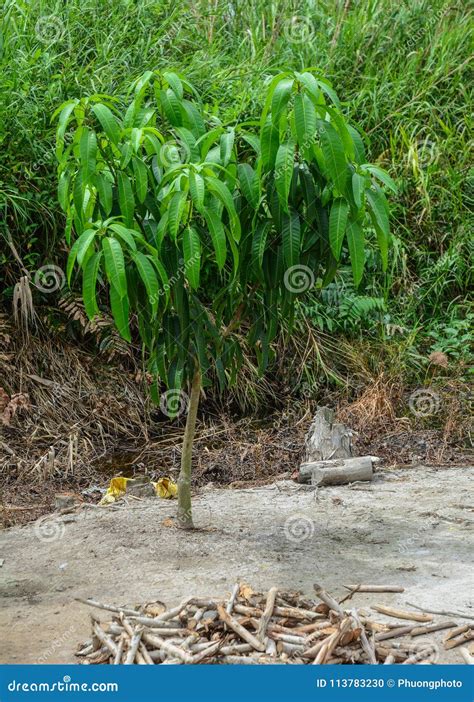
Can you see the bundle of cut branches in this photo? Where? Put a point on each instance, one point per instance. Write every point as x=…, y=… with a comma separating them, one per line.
x=254, y=628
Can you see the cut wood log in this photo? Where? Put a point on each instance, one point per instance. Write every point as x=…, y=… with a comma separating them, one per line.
x=442, y=612
x=394, y=633
x=267, y=613
x=105, y=639
x=455, y=632
x=375, y=588
x=420, y=630
x=339, y=472
x=327, y=599
x=239, y=629
x=134, y=644
x=402, y=614
x=368, y=646
x=171, y=649
x=462, y=639
x=109, y=608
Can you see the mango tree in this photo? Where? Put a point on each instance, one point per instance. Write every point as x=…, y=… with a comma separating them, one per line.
x=197, y=234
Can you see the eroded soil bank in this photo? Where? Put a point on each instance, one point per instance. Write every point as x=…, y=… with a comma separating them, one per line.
x=411, y=527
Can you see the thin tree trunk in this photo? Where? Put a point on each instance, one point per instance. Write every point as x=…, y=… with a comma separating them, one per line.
x=185, y=517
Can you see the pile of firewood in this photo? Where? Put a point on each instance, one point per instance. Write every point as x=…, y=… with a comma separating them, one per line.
x=279, y=627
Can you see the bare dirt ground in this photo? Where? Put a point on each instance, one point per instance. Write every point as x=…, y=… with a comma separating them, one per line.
x=411, y=527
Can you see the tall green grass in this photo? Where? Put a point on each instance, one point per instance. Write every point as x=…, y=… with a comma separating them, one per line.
x=401, y=67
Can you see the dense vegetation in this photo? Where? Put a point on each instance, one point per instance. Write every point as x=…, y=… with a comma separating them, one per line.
x=401, y=70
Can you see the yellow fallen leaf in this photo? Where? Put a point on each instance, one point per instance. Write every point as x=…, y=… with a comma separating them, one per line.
x=166, y=488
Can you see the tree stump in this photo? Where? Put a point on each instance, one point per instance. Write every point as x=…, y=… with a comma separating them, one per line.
x=327, y=439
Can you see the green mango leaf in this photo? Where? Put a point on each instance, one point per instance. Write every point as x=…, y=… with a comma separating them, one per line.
x=259, y=242
x=175, y=212
x=82, y=243
x=88, y=154
x=125, y=234
x=334, y=156
x=270, y=141
x=107, y=121
x=63, y=190
x=120, y=310
x=192, y=256
x=148, y=275
x=217, y=232
x=89, y=283
x=140, y=172
x=115, y=265
x=291, y=236
x=337, y=225
x=359, y=147
x=280, y=98
x=197, y=189
x=226, y=146
x=356, y=243
x=125, y=198
x=175, y=83
x=104, y=190
x=284, y=172
x=249, y=185
x=382, y=176
x=358, y=189
x=222, y=192
x=378, y=209
x=305, y=121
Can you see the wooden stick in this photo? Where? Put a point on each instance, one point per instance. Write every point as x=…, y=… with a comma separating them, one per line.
x=209, y=651
x=375, y=588
x=455, y=632
x=109, y=608
x=142, y=656
x=105, y=638
x=394, y=633
x=464, y=638
x=320, y=658
x=368, y=648
x=239, y=629
x=327, y=599
x=132, y=651
x=442, y=612
x=402, y=614
x=233, y=597
x=163, y=645
x=152, y=623
x=334, y=638
x=171, y=613
x=419, y=630
x=118, y=655
x=267, y=613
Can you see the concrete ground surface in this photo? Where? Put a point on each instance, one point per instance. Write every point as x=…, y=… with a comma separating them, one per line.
x=411, y=527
